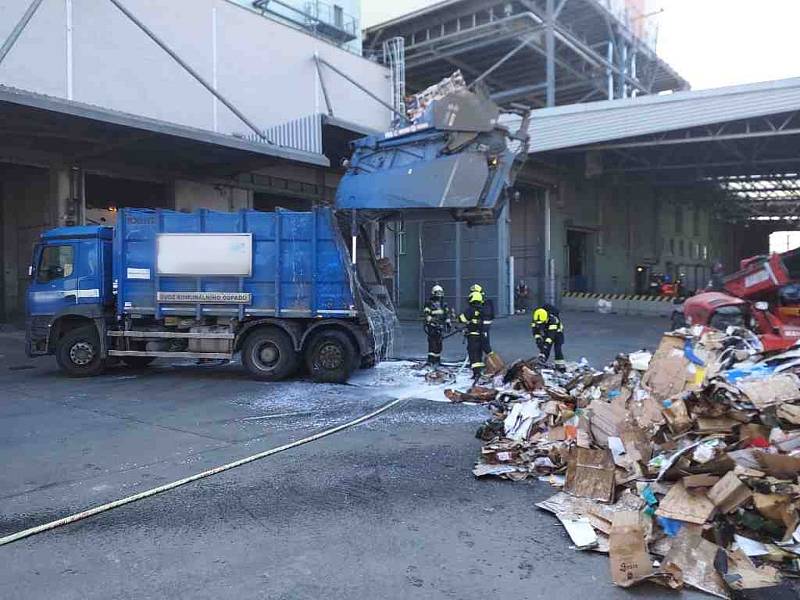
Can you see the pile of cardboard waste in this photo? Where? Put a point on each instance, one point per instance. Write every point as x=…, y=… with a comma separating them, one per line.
x=682, y=465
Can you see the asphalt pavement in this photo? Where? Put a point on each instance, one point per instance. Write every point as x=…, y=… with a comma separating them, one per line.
x=388, y=509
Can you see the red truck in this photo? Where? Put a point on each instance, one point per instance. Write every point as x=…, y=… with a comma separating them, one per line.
x=763, y=295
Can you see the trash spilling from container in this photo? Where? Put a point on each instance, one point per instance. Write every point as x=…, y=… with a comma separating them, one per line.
x=682, y=465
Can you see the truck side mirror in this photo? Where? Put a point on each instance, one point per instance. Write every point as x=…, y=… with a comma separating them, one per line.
x=763, y=306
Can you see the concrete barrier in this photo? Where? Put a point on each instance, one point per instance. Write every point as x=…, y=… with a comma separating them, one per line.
x=625, y=304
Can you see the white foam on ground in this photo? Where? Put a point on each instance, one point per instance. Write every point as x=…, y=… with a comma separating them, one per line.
x=400, y=380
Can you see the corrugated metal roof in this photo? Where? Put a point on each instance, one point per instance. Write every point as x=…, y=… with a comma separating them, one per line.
x=581, y=124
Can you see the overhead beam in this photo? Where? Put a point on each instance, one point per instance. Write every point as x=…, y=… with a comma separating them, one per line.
x=12, y=38
x=687, y=140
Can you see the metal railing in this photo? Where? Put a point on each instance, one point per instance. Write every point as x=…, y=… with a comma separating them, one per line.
x=326, y=20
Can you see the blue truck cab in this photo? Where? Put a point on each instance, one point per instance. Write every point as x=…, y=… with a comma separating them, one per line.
x=279, y=288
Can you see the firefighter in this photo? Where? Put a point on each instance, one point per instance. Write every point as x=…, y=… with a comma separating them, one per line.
x=437, y=323
x=488, y=317
x=473, y=319
x=548, y=332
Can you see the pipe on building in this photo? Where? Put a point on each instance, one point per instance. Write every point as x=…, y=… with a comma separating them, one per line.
x=549, y=271
x=328, y=105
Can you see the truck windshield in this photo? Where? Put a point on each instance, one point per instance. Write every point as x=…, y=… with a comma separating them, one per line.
x=56, y=262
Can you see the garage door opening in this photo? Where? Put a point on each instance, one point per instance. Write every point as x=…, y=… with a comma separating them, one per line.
x=269, y=202
x=577, y=260
x=105, y=195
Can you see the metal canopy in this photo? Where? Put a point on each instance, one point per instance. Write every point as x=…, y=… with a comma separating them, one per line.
x=740, y=144
x=594, y=55
x=613, y=120
x=37, y=129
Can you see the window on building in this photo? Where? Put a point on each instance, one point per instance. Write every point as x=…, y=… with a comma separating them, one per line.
x=56, y=262
x=678, y=218
x=672, y=246
x=705, y=252
x=681, y=248
x=338, y=16
x=402, y=242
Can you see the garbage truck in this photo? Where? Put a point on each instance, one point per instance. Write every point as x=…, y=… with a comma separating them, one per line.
x=281, y=289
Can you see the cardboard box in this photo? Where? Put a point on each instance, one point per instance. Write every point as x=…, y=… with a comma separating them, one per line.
x=789, y=412
x=628, y=556
x=590, y=474
x=779, y=465
x=776, y=507
x=693, y=557
x=771, y=391
x=729, y=493
x=668, y=373
x=684, y=505
x=704, y=480
x=677, y=417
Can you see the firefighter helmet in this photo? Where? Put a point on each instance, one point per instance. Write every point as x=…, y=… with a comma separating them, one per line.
x=540, y=316
x=437, y=291
x=476, y=288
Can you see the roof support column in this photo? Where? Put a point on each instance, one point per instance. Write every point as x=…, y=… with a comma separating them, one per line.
x=550, y=52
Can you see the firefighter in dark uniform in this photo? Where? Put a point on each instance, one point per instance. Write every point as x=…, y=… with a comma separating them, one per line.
x=548, y=333
x=473, y=319
x=437, y=323
x=488, y=316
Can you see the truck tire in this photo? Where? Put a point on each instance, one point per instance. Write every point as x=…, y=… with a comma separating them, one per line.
x=268, y=354
x=138, y=362
x=331, y=357
x=78, y=352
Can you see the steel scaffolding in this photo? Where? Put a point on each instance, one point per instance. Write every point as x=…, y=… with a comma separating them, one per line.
x=574, y=50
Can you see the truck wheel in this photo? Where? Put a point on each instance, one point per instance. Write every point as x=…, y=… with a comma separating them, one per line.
x=268, y=354
x=331, y=357
x=138, y=362
x=78, y=353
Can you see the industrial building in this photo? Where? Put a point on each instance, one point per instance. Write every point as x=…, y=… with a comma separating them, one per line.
x=240, y=103
x=209, y=103
x=630, y=175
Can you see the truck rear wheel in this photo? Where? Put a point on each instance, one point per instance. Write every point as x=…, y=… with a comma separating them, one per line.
x=268, y=354
x=78, y=352
x=331, y=357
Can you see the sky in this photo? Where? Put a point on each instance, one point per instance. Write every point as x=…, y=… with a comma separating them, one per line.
x=711, y=43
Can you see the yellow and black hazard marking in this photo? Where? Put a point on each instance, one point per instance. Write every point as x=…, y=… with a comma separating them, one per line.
x=600, y=296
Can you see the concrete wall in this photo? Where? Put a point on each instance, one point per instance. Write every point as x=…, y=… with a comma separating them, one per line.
x=631, y=226
x=190, y=195
x=32, y=200
x=623, y=227
x=264, y=67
